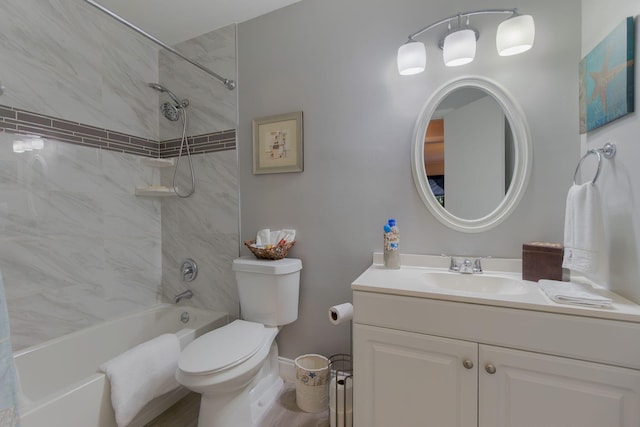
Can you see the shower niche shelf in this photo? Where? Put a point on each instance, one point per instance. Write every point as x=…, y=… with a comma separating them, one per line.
x=154, y=191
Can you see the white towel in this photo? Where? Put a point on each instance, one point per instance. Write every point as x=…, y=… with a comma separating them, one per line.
x=574, y=293
x=584, y=248
x=141, y=374
x=263, y=238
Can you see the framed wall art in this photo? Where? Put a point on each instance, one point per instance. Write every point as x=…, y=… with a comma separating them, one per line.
x=607, y=78
x=277, y=144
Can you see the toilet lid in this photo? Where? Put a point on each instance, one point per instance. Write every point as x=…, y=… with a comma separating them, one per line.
x=222, y=348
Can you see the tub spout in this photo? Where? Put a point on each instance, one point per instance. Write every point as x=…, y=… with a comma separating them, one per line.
x=188, y=294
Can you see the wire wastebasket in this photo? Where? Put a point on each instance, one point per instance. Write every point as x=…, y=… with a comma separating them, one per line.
x=341, y=390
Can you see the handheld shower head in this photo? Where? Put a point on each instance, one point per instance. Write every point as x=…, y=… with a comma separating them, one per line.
x=162, y=89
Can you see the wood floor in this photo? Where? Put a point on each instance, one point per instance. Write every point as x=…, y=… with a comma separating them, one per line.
x=284, y=413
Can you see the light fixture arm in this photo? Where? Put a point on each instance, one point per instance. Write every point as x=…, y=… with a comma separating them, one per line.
x=459, y=16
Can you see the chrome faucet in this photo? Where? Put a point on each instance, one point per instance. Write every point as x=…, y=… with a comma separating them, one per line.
x=466, y=265
x=188, y=294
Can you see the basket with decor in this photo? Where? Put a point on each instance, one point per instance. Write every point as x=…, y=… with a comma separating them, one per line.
x=271, y=245
x=273, y=252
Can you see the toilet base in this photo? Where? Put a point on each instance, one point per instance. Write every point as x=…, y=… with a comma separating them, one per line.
x=246, y=406
x=264, y=395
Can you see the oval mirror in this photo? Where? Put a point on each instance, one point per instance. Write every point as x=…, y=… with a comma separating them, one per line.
x=471, y=155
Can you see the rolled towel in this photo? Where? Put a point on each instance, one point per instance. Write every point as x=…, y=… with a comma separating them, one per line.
x=574, y=293
x=141, y=374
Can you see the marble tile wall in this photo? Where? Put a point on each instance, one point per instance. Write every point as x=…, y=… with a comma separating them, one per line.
x=216, y=141
x=203, y=227
x=76, y=247
x=18, y=121
x=212, y=107
x=66, y=59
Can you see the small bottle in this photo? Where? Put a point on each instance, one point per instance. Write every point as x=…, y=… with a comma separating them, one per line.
x=391, y=245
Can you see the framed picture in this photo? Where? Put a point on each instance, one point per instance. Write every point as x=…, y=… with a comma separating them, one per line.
x=607, y=78
x=277, y=144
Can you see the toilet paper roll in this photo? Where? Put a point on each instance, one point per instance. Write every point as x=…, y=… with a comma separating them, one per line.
x=341, y=313
x=341, y=393
x=341, y=401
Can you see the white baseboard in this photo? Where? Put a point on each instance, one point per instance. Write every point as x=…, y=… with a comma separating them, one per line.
x=287, y=369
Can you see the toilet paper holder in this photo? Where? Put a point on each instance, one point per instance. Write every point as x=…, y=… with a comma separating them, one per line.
x=341, y=390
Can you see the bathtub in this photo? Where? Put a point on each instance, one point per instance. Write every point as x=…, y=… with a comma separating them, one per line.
x=60, y=385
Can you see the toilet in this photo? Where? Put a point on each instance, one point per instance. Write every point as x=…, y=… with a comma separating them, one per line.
x=235, y=367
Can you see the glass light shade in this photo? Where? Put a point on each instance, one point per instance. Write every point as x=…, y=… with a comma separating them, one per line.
x=515, y=35
x=412, y=58
x=459, y=48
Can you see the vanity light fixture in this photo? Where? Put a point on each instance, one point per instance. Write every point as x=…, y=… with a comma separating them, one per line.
x=515, y=35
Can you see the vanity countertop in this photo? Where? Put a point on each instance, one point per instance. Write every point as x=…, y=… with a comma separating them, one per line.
x=410, y=280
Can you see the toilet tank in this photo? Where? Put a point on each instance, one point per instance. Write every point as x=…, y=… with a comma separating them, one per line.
x=268, y=289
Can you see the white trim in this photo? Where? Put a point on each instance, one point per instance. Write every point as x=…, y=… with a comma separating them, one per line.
x=287, y=369
x=523, y=155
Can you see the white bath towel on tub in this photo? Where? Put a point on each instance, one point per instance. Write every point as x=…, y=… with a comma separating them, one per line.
x=141, y=374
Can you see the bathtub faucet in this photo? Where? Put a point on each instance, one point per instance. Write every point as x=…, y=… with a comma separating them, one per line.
x=183, y=295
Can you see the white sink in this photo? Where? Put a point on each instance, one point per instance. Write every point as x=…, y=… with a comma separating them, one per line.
x=474, y=283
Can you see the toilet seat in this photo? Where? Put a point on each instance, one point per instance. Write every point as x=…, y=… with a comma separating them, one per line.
x=222, y=348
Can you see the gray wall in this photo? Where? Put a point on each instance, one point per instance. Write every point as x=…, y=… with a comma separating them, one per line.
x=619, y=182
x=335, y=61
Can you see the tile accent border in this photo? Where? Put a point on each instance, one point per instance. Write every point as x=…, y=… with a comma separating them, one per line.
x=218, y=141
x=17, y=121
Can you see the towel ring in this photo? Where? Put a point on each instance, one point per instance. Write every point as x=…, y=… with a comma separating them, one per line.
x=608, y=151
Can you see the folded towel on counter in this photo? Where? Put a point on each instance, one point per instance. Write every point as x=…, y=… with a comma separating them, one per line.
x=584, y=243
x=574, y=293
x=141, y=374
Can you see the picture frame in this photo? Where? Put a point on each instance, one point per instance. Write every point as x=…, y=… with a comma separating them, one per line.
x=278, y=144
x=606, y=76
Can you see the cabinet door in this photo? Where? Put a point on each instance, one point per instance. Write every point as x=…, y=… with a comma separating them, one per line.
x=534, y=390
x=405, y=379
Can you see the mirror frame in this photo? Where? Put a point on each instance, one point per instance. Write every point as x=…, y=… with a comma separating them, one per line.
x=522, y=150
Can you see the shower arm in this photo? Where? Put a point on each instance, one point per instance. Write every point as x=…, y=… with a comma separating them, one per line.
x=230, y=84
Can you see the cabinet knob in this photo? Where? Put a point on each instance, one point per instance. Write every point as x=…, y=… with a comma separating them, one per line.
x=490, y=368
x=467, y=364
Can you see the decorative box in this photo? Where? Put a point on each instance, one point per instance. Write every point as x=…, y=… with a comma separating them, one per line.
x=542, y=260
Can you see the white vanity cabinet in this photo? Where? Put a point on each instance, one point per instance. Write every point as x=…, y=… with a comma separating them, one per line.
x=433, y=362
x=409, y=379
x=525, y=389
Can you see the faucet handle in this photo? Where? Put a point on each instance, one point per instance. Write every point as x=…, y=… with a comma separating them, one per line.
x=453, y=264
x=477, y=264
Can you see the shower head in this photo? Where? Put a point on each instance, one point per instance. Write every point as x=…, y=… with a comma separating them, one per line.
x=162, y=89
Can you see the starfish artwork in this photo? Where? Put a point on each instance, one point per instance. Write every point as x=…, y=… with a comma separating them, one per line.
x=607, y=79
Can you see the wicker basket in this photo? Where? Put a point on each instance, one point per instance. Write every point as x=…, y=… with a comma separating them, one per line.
x=276, y=252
